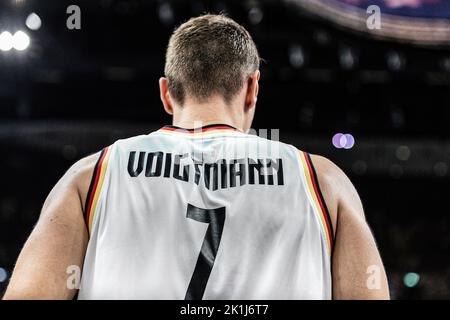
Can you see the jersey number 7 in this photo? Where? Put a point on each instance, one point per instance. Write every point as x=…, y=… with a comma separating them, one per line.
x=215, y=218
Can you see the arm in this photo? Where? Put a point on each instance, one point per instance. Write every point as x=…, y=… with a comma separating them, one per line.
x=358, y=271
x=58, y=240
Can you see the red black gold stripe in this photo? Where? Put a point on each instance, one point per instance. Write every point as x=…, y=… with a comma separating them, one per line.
x=313, y=185
x=95, y=187
x=212, y=128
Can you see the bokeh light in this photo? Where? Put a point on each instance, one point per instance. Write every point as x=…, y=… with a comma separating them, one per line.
x=343, y=141
x=3, y=275
x=21, y=40
x=33, y=21
x=6, y=41
x=411, y=279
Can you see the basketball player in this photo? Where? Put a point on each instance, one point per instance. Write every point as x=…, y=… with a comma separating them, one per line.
x=203, y=211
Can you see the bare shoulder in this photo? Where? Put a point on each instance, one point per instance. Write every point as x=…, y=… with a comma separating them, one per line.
x=76, y=179
x=330, y=176
x=337, y=189
x=83, y=167
x=82, y=172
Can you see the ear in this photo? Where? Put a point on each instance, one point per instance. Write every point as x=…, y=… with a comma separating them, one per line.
x=252, y=90
x=165, y=96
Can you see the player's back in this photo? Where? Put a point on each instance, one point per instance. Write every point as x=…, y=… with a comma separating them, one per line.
x=205, y=214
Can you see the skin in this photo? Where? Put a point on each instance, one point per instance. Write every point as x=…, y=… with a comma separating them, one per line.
x=58, y=240
x=60, y=236
x=355, y=250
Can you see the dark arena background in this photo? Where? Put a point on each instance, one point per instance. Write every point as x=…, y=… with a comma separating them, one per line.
x=374, y=101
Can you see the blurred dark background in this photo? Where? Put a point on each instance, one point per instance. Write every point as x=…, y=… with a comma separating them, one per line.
x=72, y=92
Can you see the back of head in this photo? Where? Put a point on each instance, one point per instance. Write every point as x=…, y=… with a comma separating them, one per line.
x=208, y=55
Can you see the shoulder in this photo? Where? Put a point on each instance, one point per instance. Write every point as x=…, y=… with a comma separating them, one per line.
x=83, y=168
x=337, y=189
x=80, y=171
x=327, y=171
x=72, y=188
x=78, y=177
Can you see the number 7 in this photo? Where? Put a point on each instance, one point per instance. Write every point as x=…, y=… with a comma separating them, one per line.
x=205, y=262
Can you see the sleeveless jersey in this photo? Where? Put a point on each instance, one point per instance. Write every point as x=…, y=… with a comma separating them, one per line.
x=209, y=213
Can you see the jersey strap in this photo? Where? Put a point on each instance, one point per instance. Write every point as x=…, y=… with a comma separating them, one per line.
x=316, y=194
x=95, y=187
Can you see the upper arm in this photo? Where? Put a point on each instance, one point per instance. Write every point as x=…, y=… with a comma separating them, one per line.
x=357, y=269
x=58, y=240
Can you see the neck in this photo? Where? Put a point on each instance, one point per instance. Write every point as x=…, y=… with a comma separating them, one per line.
x=214, y=111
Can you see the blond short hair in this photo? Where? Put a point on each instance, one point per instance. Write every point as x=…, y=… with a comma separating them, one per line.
x=207, y=55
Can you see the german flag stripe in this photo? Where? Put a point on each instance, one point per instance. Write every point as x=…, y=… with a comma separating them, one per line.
x=95, y=187
x=316, y=194
x=206, y=129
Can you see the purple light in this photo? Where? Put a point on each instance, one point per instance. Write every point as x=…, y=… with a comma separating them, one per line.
x=343, y=141
x=349, y=141
x=337, y=140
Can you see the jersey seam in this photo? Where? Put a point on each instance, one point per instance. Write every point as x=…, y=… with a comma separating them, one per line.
x=102, y=191
x=91, y=189
x=311, y=201
x=327, y=212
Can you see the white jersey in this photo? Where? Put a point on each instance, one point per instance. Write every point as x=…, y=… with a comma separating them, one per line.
x=210, y=213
